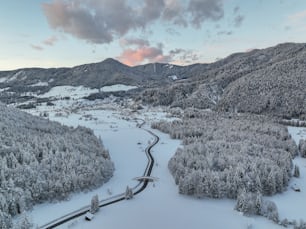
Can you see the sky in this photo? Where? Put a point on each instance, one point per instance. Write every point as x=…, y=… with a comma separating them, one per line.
x=65, y=33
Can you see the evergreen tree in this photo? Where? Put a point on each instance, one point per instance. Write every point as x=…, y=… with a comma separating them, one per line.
x=241, y=201
x=270, y=211
x=258, y=203
x=270, y=185
x=23, y=223
x=296, y=172
x=5, y=220
x=215, y=186
x=94, y=207
x=302, y=147
x=284, y=222
x=257, y=184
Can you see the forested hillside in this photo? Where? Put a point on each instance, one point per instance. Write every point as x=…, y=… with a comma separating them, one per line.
x=96, y=75
x=267, y=81
x=277, y=89
x=43, y=160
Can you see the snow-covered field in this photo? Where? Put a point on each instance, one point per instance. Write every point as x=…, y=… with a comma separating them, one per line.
x=117, y=87
x=40, y=84
x=72, y=92
x=160, y=205
x=80, y=91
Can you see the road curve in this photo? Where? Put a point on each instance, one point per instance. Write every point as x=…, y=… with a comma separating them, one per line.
x=116, y=198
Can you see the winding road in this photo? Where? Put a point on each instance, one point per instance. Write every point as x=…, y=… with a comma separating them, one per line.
x=116, y=198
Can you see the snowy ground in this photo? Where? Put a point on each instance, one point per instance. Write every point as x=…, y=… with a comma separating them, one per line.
x=160, y=205
x=117, y=87
x=80, y=91
x=291, y=204
x=126, y=144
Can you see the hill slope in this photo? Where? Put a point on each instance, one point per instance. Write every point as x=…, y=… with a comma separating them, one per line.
x=268, y=81
x=43, y=160
x=96, y=75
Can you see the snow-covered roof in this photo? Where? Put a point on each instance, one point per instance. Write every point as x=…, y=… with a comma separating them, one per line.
x=89, y=216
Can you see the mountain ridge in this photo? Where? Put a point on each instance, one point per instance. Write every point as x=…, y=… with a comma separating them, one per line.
x=95, y=75
x=253, y=81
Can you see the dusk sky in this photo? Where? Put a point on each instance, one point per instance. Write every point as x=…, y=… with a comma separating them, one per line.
x=56, y=33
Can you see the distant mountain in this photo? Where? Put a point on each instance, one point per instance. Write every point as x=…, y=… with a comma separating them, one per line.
x=170, y=71
x=96, y=75
x=267, y=81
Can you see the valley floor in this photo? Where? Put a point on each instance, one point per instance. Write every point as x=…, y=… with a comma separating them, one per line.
x=160, y=205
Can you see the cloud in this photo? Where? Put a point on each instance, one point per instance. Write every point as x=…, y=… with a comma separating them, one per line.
x=50, y=41
x=202, y=10
x=139, y=55
x=93, y=21
x=134, y=41
x=238, y=20
x=296, y=21
x=172, y=32
x=177, y=51
x=137, y=51
x=102, y=21
x=183, y=56
x=236, y=9
x=143, y=52
x=37, y=47
x=224, y=33
x=174, y=12
x=297, y=18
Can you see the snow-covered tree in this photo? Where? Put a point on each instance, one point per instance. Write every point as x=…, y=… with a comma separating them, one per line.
x=258, y=203
x=270, y=211
x=284, y=222
x=296, y=172
x=23, y=222
x=302, y=147
x=300, y=225
x=5, y=220
x=128, y=193
x=241, y=203
x=94, y=206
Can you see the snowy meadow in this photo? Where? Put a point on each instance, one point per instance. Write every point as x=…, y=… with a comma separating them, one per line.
x=160, y=204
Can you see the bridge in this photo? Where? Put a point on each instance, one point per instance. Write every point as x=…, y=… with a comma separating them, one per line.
x=146, y=178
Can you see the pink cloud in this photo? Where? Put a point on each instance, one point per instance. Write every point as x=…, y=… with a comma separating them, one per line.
x=142, y=54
